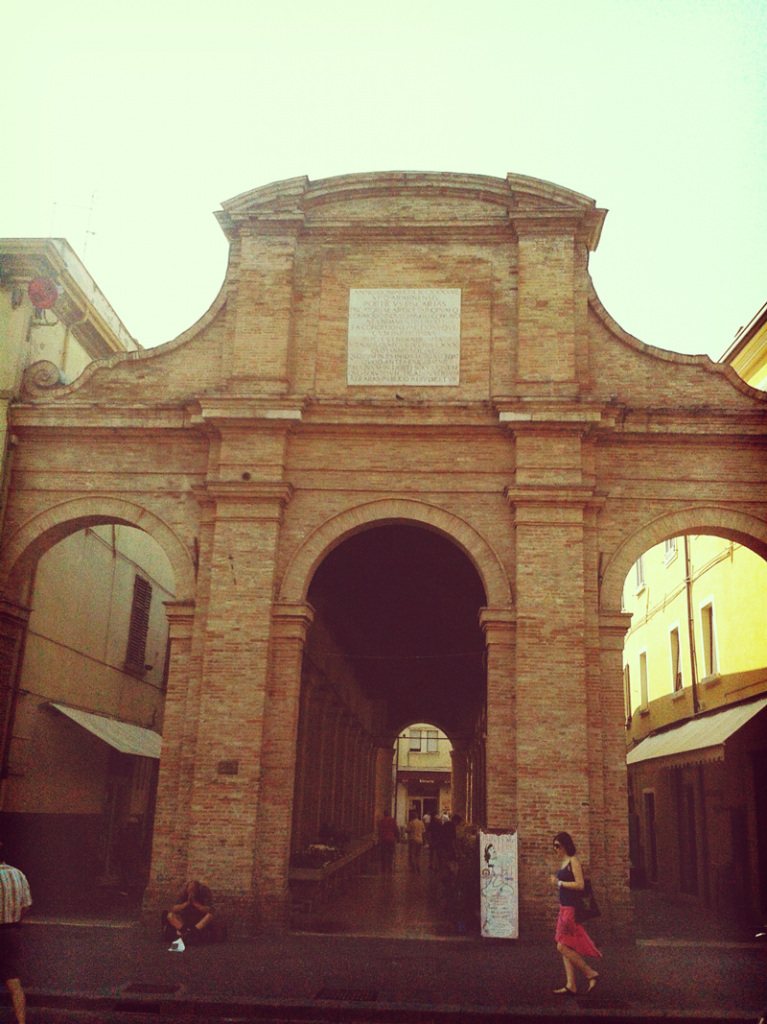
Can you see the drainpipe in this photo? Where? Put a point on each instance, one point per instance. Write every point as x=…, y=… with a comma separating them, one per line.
x=691, y=626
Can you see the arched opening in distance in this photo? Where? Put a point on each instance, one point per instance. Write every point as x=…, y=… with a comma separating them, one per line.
x=396, y=639
x=695, y=694
x=422, y=774
x=84, y=720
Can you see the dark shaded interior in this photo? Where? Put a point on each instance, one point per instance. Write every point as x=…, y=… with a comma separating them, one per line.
x=403, y=603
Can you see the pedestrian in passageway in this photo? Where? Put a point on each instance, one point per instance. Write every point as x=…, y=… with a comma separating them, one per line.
x=571, y=938
x=415, y=834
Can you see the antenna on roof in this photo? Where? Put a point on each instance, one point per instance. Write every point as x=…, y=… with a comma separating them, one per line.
x=88, y=225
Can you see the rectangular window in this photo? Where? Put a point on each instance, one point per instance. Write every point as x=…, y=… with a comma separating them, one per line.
x=676, y=661
x=135, y=656
x=669, y=549
x=639, y=568
x=431, y=741
x=415, y=739
x=644, y=691
x=627, y=693
x=708, y=631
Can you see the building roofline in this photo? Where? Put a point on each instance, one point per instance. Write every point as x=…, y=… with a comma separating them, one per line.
x=745, y=334
x=84, y=308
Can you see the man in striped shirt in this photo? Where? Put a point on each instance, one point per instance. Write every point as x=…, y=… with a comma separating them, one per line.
x=15, y=900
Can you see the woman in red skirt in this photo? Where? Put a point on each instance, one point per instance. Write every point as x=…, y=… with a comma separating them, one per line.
x=572, y=941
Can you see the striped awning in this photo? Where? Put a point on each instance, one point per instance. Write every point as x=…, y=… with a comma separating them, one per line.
x=127, y=738
x=696, y=741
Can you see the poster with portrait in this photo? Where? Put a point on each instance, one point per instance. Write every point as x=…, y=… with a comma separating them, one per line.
x=499, y=890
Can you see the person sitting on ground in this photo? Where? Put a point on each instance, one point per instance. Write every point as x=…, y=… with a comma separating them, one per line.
x=191, y=916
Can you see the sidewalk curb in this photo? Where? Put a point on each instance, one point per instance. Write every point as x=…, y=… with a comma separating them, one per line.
x=347, y=1012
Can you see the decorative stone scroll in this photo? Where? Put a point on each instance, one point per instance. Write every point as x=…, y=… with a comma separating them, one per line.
x=404, y=336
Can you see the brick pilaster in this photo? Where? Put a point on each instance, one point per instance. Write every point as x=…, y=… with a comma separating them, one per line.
x=228, y=758
x=546, y=304
x=290, y=624
x=499, y=626
x=14, y=619
x=610, y=859
x=262, y=333
x=553, y=778
x=459, y=779
x=169, y=845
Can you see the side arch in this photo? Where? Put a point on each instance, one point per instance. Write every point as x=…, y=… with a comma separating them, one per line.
x=386, y=512
x=713, y=519
x=47, y=528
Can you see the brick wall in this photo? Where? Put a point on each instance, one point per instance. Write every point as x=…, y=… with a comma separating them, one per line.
x=241, y=448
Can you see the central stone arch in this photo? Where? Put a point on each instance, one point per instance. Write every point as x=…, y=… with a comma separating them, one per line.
x=386, y=511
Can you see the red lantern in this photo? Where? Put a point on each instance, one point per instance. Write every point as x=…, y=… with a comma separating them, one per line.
x=43, y=293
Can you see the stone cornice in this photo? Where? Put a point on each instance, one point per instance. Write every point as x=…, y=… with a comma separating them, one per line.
x=93, y=416
x=180, y=615
x=292, y=621
x=287, y=205
x=566, y=495
x=498, y=624
x=229, y=410
x=249, y=491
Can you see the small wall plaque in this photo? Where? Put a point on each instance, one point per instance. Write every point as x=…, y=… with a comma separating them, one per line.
x=228, y=767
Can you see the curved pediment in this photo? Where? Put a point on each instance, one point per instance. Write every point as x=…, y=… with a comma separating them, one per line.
x=409, y=198
x=419, y=286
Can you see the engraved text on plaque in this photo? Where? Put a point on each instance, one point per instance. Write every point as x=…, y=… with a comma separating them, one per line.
x=404, y=336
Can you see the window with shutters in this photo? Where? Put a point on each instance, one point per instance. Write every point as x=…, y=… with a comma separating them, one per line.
x=708, y=629
x=135, y=656
x=639, y=570
x=644, y=685
x=677, y=682
x=627, y=693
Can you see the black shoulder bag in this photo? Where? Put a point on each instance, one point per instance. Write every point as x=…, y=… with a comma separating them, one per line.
x=587, y=907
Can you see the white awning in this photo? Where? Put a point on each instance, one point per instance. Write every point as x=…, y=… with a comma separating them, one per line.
x=698, y=740
x=128, y=739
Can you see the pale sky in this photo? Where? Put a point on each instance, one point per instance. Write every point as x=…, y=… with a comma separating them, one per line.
x=657, y=109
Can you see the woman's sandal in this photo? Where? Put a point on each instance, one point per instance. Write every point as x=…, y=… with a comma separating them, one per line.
x=592, y=984
x=566, y=991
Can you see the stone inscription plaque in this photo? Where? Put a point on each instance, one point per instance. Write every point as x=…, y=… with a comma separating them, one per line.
x=404, y=336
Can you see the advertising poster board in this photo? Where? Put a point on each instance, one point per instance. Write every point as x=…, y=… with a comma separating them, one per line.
x=499, y=888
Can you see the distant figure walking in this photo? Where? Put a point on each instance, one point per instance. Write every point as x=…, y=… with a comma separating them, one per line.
x=387, y=842
x=571, y=938
x=435, y=835
x=15, y=901
x=415, y=834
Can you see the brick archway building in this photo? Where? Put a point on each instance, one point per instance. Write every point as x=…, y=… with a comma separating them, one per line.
x=390, y=349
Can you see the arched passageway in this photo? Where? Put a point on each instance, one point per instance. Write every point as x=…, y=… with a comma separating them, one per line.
x=396, y=639
x=85, y=714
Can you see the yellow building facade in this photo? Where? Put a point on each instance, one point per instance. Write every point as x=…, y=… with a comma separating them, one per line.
x=695, y=679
